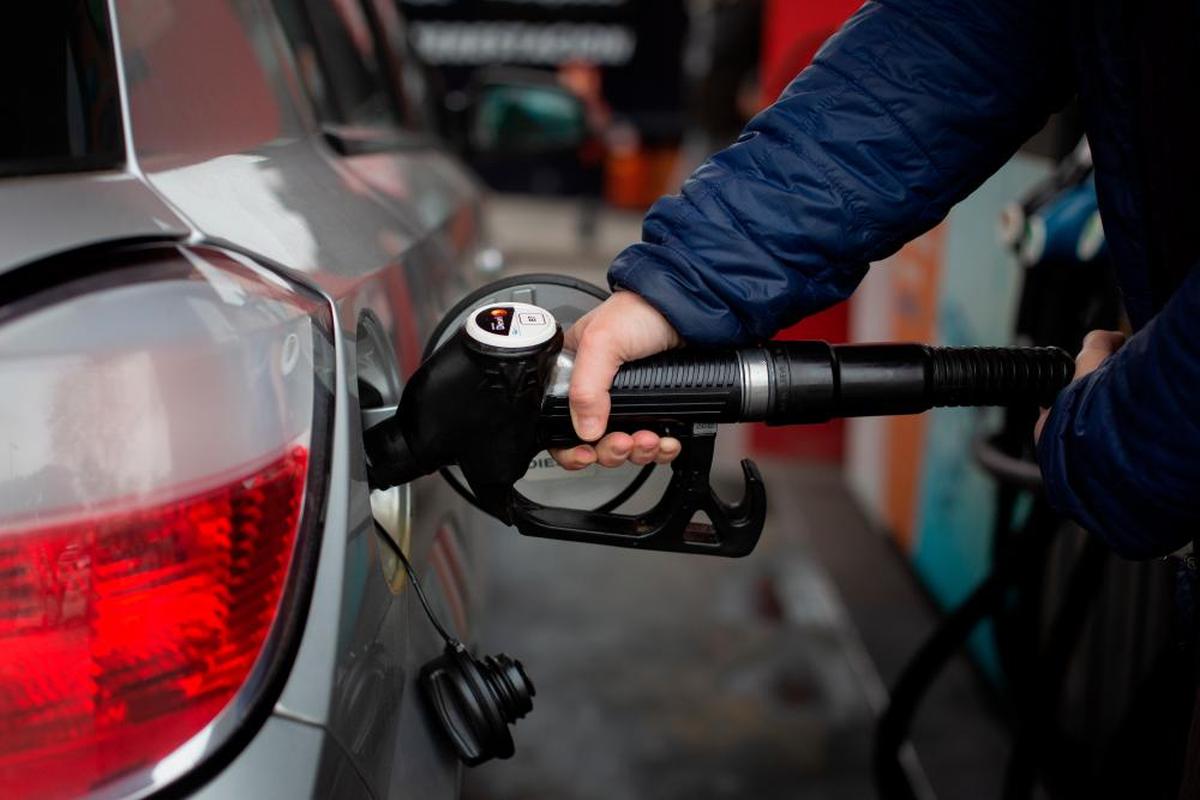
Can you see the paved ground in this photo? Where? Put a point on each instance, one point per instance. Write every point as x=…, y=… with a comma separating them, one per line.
x=681, y=677
x=542, y=236
x=664, y=677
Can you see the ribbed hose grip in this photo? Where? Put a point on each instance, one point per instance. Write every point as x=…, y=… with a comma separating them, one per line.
x=667, y=391
x=707, y=371
x=696, y=386
x=997, y=376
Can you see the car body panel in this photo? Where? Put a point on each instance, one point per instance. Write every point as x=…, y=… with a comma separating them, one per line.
x=51, y=214
x=308, y=765
x=223, y=148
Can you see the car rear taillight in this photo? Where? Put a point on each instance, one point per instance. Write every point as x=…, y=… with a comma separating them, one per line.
x=154, y=468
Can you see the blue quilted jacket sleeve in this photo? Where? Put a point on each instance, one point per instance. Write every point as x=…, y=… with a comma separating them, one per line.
x=1119, y=450
x=902, y=113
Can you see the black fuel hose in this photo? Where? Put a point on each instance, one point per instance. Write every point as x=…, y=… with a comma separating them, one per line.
x=789, y=383
x=918, y=675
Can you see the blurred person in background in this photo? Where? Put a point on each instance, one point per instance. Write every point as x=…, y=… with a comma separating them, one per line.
x=585, y=80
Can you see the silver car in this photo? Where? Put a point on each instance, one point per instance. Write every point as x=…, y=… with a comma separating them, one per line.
x=226, y=232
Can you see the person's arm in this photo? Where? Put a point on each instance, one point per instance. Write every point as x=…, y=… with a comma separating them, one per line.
x=901, y=114
x=905, y=111
x=1120, y=450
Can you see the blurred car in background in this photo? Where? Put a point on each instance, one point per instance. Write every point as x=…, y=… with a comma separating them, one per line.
x=228, y=229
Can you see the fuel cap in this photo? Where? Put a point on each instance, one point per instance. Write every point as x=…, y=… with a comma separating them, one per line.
x=511, y=326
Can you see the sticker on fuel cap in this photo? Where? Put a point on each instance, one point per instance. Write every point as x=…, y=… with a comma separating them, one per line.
x=511, y=325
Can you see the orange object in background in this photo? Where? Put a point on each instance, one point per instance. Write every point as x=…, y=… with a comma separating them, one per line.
x=915, y=274
x=635, y=177
x=793, y=32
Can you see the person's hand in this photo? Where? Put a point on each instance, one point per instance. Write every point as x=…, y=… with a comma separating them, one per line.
x=1097, y=346
x=622, y=328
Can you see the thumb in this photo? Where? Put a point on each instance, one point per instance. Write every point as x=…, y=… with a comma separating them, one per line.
x=596, y=362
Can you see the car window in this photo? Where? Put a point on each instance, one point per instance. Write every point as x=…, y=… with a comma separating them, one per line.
x=190, y=98
x=418, y=106
x=336, y=49
x=60, y=105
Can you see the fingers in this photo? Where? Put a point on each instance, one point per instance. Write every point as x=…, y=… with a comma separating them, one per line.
x=1097, y=346
x=614, y=450
x=622, y=328
x=574, y=458
x=643, y=447
x=668, y=449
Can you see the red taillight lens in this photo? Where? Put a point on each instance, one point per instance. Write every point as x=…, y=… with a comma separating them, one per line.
x=123, y=634
x=172, y=402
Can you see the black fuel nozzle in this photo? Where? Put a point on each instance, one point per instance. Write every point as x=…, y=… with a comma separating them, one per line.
x=475, y=402
x=495, y=394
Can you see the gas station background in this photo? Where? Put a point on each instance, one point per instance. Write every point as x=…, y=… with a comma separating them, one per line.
x=915, y=477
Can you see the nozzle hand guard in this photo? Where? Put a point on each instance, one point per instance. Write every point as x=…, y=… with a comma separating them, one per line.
x=732, y=530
